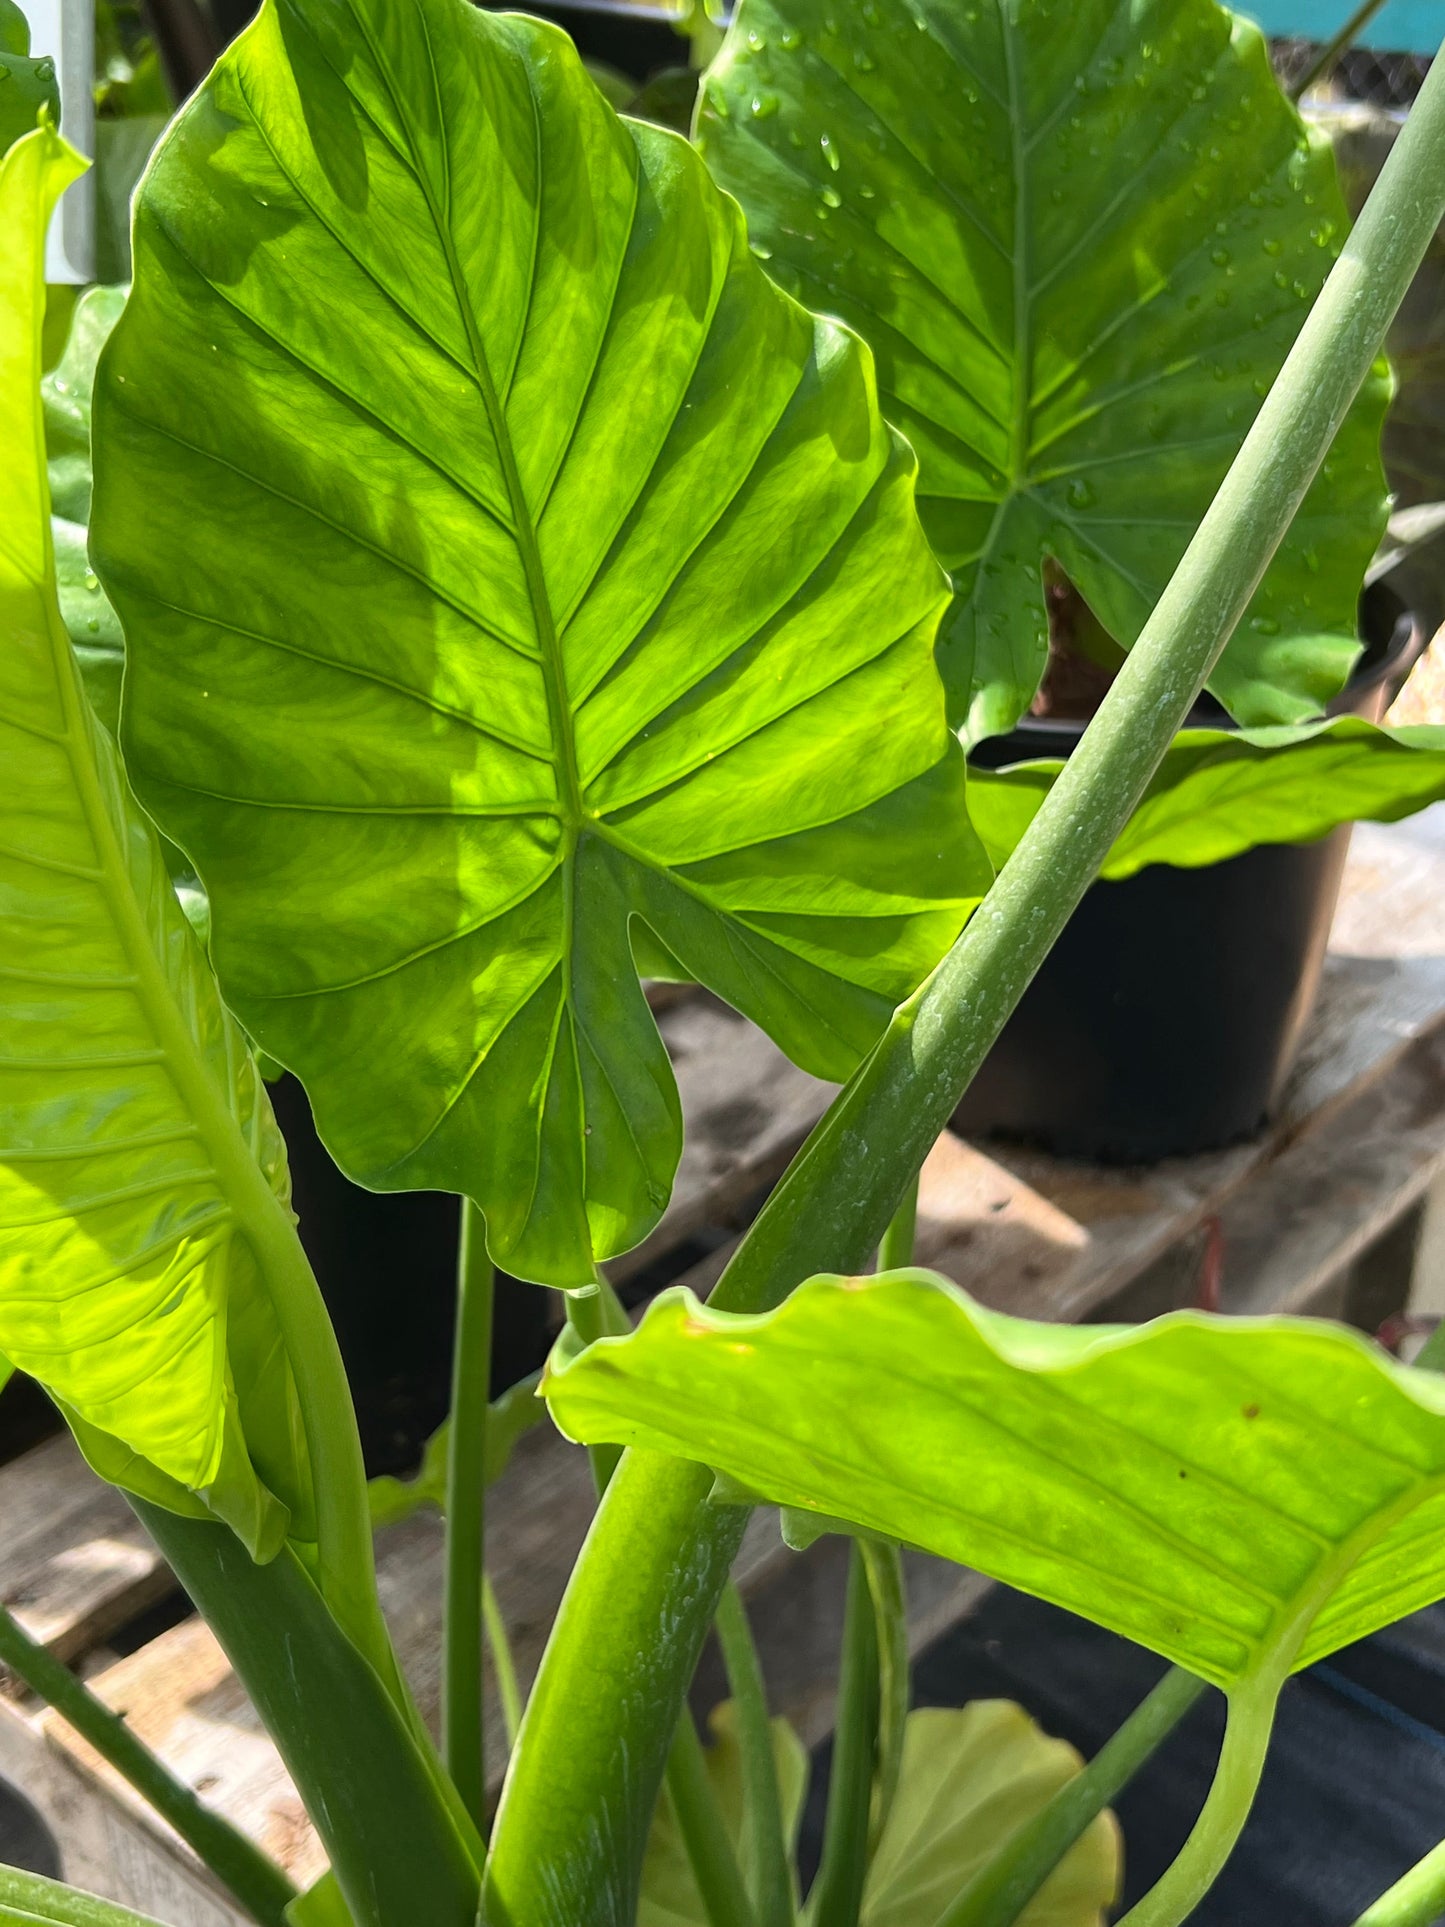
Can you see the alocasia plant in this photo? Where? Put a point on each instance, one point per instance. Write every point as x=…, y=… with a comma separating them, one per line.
x=1080, y=240
x=564, y=614
x=523, y=596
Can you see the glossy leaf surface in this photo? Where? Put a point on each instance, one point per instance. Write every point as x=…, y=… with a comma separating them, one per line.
x=127, y=1284
x=1219, y=791
x=670, y=1896
x=1080, y=240
x=971, y=1778
x=28, y=87
x=1241, y=1495
x=66, y=393
x=507, y=566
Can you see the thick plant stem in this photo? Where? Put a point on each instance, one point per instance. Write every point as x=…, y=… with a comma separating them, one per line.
x=624, y=1646
x=837, y=1895
x=699, y=1820
x=1417, y=1900
x=767, y=1872
x=1173, y=1898
x=402, y=1846
x=462, y=1714
x=600, y=1314
x=883, y=1563
x=896, y=1250
x=592, y=1315
x=999, y=1894
x=258, y=1883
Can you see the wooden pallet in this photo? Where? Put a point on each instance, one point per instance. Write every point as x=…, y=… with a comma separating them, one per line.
x=1361, y=1137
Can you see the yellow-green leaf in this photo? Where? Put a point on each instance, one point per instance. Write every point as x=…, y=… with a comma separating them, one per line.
x=138, y=1153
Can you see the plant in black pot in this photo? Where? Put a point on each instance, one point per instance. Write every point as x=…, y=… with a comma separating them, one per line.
x=1075, y=325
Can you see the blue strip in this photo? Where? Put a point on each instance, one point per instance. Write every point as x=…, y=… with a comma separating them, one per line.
x=1383, y=1709
x=1404, y=26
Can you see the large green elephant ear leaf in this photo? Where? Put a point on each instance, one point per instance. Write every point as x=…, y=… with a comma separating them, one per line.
x=511, y=576
x=1242, y=1495
x=1081, y=241
x=139, y=1160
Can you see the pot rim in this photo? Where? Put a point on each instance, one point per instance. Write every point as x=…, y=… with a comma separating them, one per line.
x=1409, y=639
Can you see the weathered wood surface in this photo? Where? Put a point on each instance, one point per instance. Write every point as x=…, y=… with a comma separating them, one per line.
x=746, y=1111
x=104, y=1850
x=75, y=1562
x=1361, y=1133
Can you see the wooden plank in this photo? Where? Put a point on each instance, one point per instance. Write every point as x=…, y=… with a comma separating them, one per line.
x=746, y=1109
x=102, y=1848
x=1336, y=1190
x=74, y=1561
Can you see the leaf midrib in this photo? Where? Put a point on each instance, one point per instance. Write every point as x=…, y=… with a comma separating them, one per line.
x=524, y=528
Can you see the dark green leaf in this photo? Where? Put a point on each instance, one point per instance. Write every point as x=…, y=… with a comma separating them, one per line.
x=67, y=392
x=1081, y=241
x=1219, y=792
x=502, y=560
x=28, y=87
x=14, y=29
x=1242, y=1495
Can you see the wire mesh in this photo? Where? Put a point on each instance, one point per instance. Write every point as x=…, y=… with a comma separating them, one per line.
x=1385, y=80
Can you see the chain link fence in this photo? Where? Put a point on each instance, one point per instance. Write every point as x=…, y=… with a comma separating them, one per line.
x=1383, y=80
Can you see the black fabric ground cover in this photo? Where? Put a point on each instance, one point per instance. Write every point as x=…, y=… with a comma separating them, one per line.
x=1353, y=1793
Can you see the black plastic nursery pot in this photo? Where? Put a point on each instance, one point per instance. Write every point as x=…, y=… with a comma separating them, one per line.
x=25, y=1839
x=386, y=1263
x=1167, y=1017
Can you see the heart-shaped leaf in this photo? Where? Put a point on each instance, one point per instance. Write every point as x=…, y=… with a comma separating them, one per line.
x=1220, y=791
x=515, y=585
x=1244, y=1495
x=1081, y=241
x=670, y=1896
x=138, y=1153
x=971, y=1779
